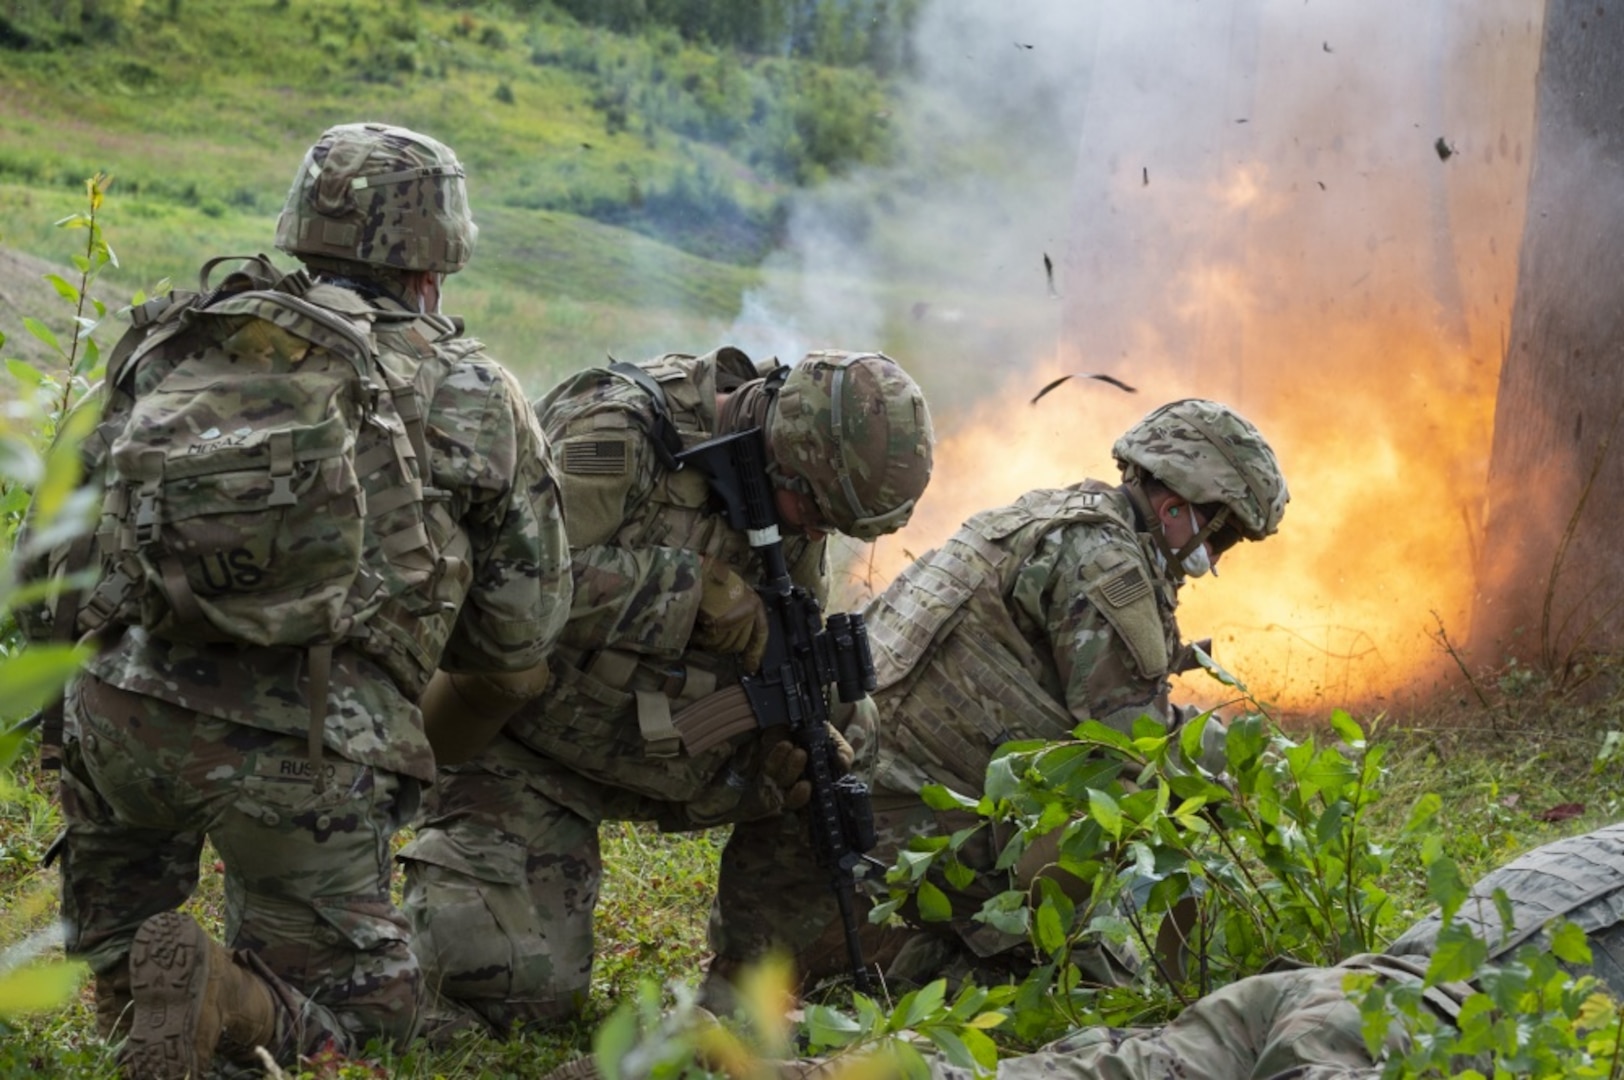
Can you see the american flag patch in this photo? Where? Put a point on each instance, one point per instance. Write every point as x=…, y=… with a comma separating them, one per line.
x=1126, y=587
x=595, y=457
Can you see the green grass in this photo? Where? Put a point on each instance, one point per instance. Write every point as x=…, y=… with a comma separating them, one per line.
x=1501, y=765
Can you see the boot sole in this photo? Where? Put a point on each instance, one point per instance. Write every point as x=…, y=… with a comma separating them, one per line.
x=169, y=973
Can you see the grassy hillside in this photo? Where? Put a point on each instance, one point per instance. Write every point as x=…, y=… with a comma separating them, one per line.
x=626, y=186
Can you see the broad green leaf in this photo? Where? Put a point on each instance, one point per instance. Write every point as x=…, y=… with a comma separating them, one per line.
x=613, y=1040
x=983, y=1049
x=883, y=911
x=64, y=288
x=913, y=864
x=1598, y=1011
x=80, y=263
x=1347, y=729
x=1051, y=933
x=1096, y=732
x=1243, y=743
x=19, y=461
x=1001, y=780
x=951, y=1046
x=43, y=332
x=25, y=373
x=1006, y=912
x=1103, y=809
x=1457, y=957
x=923, y=1002
x=933, y=903
x=829, y=1028
x=969, y=1001
x=89, y=357
x=36, y=675
x=1191, y=734
x=988, y=1020
x=1422, y=813
x=1570, y=945
x=1445, y=886
x=958, y=875
x=938, y=797
x=1508, y=917
x=38, y=987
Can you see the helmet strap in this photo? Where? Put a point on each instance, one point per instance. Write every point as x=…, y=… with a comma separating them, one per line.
x=842, y=469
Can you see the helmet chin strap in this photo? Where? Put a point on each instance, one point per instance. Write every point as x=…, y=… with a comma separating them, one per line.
x=1153, y=526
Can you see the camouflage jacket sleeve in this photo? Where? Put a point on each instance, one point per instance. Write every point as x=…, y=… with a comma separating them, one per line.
x=492, y=452
x=644, y=600
x=1097, y=672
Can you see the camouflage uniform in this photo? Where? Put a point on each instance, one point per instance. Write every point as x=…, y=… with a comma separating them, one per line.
x=1580, y=879
x=1298, y=1024
x=172, y=743
x=503, y=876
x=1268, y=1025
x=1030, y=619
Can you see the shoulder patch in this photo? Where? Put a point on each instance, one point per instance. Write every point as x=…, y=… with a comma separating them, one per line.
x=1125, y=587
x=595, y=457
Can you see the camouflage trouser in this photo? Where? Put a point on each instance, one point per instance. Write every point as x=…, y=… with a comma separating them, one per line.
x=306, y=873
x=501, y=881
x=1298, y=1024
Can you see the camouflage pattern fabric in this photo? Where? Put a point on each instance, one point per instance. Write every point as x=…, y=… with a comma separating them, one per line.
x=501, y=885
x=1030, y=619
x=502, y=875
x=496, y=600
x=1580, y=879
x=307, y=873
x=1208, y=453
x=855, y=429
x=211, y=739
x=1298, y=1024
x=382, y=195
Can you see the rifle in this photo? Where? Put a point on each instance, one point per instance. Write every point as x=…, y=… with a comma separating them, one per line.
x=804, y=655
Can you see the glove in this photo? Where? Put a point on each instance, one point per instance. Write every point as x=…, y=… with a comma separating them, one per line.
x=765, y=778
x=785, y=763
x=732, y=618
x=783, y=768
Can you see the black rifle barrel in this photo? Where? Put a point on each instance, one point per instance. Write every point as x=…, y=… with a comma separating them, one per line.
x=803, y=658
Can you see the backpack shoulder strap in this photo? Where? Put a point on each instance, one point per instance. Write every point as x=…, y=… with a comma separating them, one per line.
x=662, y=432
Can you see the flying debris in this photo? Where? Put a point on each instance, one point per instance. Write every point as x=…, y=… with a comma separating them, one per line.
x=1144, y=171
x=1326, y=46
x=1113, y=380
x=1445, y=150
x=1022, y=45
x=1048, y=273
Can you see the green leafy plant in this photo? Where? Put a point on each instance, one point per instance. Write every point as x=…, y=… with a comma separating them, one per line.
x=1528, y=1015
x=1271, y=856
x=664, y=1034
x=47, y=481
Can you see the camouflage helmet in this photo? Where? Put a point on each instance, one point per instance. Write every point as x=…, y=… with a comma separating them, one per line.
x=1206, y=452
x=382, y=195
x=853, y=432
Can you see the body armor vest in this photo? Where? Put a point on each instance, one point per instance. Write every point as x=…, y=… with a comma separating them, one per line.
x=957, y=677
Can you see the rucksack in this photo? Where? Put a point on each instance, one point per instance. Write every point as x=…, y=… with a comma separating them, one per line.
x=244, y=428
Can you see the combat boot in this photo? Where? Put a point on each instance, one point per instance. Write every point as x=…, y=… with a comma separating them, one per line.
x=191, y=999
x=113, y=1003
